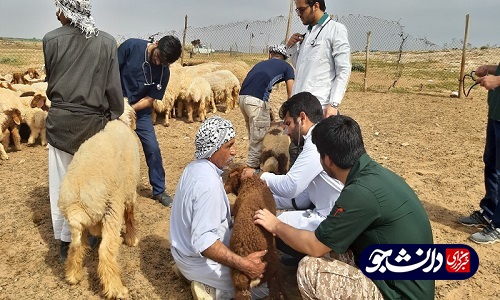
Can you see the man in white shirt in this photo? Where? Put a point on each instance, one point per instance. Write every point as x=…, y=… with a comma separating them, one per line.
x=306, y=182
x=200, y=220
x=321, y=56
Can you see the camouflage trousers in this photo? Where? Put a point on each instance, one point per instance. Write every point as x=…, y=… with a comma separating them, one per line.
x=334, y=276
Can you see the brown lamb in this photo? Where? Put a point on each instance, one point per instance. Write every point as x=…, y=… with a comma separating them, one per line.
x=253, y=194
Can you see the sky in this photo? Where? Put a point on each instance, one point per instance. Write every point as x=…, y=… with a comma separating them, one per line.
x=439, y=21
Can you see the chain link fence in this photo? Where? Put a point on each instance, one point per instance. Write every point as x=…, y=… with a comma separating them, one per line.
x=394, y=61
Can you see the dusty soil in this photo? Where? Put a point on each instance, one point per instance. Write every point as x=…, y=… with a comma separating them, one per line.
x=435, y=143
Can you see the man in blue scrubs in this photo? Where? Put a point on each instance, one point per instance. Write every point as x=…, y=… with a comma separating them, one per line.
x=144, y=73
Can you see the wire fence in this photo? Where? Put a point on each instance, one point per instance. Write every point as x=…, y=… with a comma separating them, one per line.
x=394, y=60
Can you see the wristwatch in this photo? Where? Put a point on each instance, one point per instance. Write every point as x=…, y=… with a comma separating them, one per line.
x=334, y=105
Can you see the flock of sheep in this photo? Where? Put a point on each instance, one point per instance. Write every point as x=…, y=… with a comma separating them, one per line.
x=193, y=91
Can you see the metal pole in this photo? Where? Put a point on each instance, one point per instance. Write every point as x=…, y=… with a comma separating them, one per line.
x=462, y=65
x=368, y=34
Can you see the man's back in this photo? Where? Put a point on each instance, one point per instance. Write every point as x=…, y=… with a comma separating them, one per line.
x=261, y=78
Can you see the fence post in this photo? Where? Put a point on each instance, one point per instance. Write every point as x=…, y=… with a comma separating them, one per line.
x=368, y=34
x=462, y=65
x=184, y=39
x=289, y=22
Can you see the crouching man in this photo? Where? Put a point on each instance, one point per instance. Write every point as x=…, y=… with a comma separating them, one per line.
x=200, y=220
x=376, y=206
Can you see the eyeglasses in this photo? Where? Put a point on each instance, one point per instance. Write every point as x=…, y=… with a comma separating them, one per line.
x=300, y=10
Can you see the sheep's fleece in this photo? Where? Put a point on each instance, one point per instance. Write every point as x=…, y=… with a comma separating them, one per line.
x=213, y=133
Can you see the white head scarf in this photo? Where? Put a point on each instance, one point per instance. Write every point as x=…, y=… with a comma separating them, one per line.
x=213, y=133
x=78, y=11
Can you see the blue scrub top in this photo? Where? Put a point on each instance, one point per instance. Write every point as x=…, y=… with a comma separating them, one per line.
x=135, y=72
x=261, y=78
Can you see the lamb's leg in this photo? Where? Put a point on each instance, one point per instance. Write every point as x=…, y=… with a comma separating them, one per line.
x=189, y=108
x=35, y=132
x=180, y=107
x=6, y=138
x=16, y=138
x=108, y=268
x=3, y=154
x=212, y=101
x=166, y=121
x=130, y=237
x=43, y=136
x=77, y=250
x=241, y=286
x=153, y=116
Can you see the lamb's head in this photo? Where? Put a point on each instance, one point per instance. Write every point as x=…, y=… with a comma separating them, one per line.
x=39, y=101
x=232, y=178
x=13, y=117
x=128, y=117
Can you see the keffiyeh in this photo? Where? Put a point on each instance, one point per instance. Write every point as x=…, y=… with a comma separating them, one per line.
x=213, y=133
x=79, y=13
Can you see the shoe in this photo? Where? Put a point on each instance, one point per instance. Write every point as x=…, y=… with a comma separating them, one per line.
x=476, y=219
x=63, y=253
x=164, y=199
x=202, y=291
x=489, y=235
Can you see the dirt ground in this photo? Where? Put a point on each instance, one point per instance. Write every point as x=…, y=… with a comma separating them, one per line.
x=435, y=143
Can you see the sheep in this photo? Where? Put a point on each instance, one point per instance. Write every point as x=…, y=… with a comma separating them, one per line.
x=238, y=69
x=198, y=96
x=6, y=85
x=38, y=87
x=34, y=113
x=19, y=78
x=225, y=87
x=166, y=105
x=275, y=156
x=252, y=194
x=98, y=194
x=32, y=73
x=9, y=118
x=10, y=100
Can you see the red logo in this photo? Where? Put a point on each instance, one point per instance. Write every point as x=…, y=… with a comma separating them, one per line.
x=457, y=260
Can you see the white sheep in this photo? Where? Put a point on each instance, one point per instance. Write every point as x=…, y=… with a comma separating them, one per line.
x=34, y=113
x=198, y=96
x=166, y=105
x=225, y=88
x=239, y=69
x=97, y=194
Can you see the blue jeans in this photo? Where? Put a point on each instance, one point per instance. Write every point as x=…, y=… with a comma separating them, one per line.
x=146, y=133
x=491, y=160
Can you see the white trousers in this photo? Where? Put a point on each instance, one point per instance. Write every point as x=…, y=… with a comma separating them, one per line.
x=58, y=164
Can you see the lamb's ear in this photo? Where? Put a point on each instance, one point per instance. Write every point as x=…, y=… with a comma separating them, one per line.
x=38, y=101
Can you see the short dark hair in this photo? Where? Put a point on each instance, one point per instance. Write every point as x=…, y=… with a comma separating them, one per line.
x=170, y=49
x=303, y=101
x=340, y=138
x=322, y=5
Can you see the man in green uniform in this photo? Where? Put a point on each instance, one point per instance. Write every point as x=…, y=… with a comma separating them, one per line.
x=376, y=206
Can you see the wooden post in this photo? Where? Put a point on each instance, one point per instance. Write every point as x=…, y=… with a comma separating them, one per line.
x=368, y=34
x=184, y=39
x=290, y=14
x=462, y=65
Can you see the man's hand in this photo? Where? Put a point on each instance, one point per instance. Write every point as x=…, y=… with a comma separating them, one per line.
x=489, y=82
x=330, y=111
x=296, y=37
x=247, y=173
x=257, y=266
x=266, y=219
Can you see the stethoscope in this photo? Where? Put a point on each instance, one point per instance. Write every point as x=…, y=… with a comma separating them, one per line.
x=158, y=86
x=313, y=42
